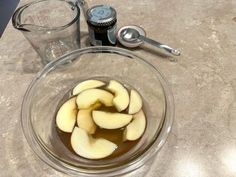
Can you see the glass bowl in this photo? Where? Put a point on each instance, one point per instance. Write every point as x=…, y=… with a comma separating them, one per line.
x=60, y=76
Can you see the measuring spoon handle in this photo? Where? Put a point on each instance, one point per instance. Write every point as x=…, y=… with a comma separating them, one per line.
x=175, y=52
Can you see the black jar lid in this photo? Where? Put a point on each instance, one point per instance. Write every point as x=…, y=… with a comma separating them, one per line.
x=101, y=15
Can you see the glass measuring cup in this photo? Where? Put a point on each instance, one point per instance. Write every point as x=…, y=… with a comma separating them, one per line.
x=51, y=26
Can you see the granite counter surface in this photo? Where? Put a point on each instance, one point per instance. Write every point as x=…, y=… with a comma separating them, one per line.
x=203, y=80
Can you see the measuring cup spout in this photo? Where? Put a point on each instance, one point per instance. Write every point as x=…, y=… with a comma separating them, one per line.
x=16, y=19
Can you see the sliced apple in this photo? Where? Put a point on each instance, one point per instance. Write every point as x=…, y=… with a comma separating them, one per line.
x=66, y=116
x=121, y=99
x=86, y=146
x=108, y=120
x=136, y=128
x=85, y=120
x=135, y=102
x=89, y=97
x=88, y=84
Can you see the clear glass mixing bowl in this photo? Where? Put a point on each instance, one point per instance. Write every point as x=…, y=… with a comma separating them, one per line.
x=58, y=77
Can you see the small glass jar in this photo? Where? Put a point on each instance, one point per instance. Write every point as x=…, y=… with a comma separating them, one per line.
x=101, y=20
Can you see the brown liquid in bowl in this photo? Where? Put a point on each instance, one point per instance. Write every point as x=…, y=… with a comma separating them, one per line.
x=115, y=135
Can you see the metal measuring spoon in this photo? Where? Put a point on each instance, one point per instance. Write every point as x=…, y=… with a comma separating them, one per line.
x=133, y=36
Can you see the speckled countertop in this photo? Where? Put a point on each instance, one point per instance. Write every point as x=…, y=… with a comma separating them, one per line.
x=203, y=79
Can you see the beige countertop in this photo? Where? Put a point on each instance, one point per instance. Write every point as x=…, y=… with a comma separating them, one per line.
x=203, y=79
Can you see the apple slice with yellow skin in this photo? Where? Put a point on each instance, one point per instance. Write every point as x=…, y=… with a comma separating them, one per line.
x=89, y=97
x=88, y=147
x=135, y=102
x=136, y=128
x=66, y=116
x=121, y=99
x=88, y=84
x=85, y=120
x=108, y=120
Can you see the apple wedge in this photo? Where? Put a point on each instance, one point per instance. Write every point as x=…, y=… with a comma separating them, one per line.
x=135, y=103
x=86, y=146
x=136, y=128
x=88, y=84
x=89, y=97
x=85, y=120
x=121, y=99
x=108, y=120
x=66, y=116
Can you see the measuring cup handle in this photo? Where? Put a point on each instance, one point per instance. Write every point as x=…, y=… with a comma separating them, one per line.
x=160, y=45
x=84, y=6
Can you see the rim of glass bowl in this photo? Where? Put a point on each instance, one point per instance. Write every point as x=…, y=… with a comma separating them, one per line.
x=133, y=163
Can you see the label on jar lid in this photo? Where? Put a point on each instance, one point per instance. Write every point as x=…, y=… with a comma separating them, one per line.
x=101, y=14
